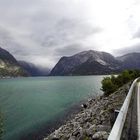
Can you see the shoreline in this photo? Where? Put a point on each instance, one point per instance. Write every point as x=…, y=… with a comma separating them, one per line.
x=51, y=126
x=55, y=128
x=92, y=121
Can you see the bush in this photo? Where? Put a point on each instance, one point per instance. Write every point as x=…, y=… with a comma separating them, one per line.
x=108, y=86
x=112, y=83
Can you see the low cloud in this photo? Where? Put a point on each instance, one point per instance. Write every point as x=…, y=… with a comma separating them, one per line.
x=126, y=50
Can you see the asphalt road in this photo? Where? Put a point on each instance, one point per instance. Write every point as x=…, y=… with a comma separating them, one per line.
x=130, y=130
x=127, y=125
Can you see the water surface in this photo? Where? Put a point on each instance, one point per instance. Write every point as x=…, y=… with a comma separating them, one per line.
x=30, y=103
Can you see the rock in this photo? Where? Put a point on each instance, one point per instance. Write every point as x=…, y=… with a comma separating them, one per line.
x=84, y=106
x=76, y=133
x=91, y=130
x=52, y=138
x=79, y=133
x=72, y=138
x=101, y=135
x=55, y=138
x=103, y=128
x=87, y=125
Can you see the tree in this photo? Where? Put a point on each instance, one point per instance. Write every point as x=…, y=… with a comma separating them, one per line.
x=111, y=84
x=108, y=86
x=126, y=76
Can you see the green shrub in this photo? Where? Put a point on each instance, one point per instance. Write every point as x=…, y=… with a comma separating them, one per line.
x=126, y=76
x=112, y=83
x=108, y=86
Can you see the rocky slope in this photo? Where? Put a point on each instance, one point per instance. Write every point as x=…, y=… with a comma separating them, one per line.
x=87, y=63
x=9, y=66
x=94, y=122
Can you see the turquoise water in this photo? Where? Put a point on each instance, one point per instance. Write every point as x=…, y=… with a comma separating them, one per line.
x=29, y=103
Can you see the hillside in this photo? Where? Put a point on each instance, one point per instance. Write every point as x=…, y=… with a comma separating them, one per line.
x=9, y=66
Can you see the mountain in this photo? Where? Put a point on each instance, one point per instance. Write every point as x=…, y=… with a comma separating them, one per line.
x=130, y=61
x=87, y=63
x=84, y=63
x=95, y=63
x=34, y=70
x=9, y=65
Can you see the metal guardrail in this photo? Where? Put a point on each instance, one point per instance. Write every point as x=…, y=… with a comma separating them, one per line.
x=138, y=111
x=119, y=123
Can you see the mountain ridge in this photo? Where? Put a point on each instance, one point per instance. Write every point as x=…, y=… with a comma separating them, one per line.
x=89, y=62
x=130, y=60
x=93, y=63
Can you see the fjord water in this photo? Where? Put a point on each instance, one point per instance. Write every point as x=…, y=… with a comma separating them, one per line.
x=28, y=104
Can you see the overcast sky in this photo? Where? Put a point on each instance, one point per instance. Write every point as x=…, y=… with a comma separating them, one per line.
x=41, y=31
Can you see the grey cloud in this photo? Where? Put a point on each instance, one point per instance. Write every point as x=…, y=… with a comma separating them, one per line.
x=137, y=34
x=69, y=50
x=7, y=41
x=41, y=31
x=65, y=32
x=125, y=50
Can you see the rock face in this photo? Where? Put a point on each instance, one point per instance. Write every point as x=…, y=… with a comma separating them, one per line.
x=34, y=70
x=94, y=121
x=87, y=63
x=9, y=65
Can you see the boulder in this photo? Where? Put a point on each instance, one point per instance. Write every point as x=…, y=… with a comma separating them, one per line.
x=101, y=135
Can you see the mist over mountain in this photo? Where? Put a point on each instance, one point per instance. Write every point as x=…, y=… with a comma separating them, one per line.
x=9, y=66
x=34, y=70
